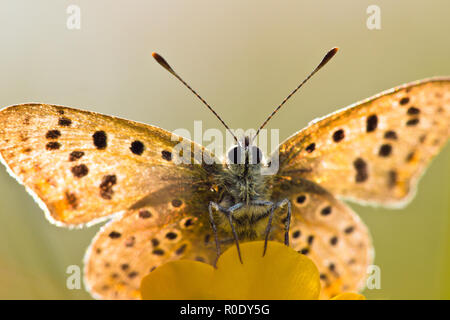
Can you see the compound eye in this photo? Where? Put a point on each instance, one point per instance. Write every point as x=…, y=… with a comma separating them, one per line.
x=235, y=155
x=255, y=155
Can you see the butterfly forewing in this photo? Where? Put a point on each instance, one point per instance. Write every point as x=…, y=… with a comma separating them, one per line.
x=376, y=150
x=85, y=166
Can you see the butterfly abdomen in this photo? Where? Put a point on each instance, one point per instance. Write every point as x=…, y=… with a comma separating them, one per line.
x=250, y=222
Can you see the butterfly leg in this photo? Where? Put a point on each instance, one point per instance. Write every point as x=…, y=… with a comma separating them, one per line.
x=229, y=214
x=230, y=219
x=288, y=219
x=275, y=206
x=214, y=228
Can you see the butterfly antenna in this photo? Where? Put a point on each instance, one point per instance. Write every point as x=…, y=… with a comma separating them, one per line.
x=166, y=66
x=324, y=61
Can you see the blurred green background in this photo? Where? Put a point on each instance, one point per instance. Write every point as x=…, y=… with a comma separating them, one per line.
x=244, y=57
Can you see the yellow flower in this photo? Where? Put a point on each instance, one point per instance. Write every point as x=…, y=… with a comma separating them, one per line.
x=282, y=274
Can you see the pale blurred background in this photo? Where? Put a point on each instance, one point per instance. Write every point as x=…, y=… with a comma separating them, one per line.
x=244, y=57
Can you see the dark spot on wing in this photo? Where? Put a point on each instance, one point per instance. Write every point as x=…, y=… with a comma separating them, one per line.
x=144, y=214
x=106, y=190
x=412, y=122
x=189, y=222
x=311, y=147
x=166, y=155
x=155, y=242
x=53, y=134
x=413, y=111
x=422, y=138
x=371, y=123
x=200, y=259
x=349, y=229
x=181, y=249
x=53, y=145
x=125, y=266
x=392, y=178
x=310, y=239
x=304, y=251
x=171, y=235
x=80, y=170
x=404, y=101
x=177, y=203
x=100, y=140
x=410, y=156
x=76, y=155
x=72, y=200
x=301, y=199
x=338, y=135
x=296, y=234
x=158, y=252
x=361, y=170
x=385, y=150
x=132, y=274
x=334, y=241
x=326, y=211
x=130, y=242
x=114, y=235
x=64, y=122
x=137, y=147
x=392, y=135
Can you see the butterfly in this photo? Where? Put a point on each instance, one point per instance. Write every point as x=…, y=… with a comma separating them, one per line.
x=83, y=168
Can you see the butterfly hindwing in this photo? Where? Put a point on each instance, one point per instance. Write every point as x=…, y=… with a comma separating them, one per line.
x=376, y=150
x=328, y=232
x=131, y=246
x=85, y=166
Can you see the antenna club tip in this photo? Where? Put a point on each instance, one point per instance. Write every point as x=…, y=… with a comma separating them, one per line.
x=162, y=62
x=332, y=51
x=330, y=54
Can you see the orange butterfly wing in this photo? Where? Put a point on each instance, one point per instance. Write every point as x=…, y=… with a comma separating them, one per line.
x=376, y=150
x=83, y=166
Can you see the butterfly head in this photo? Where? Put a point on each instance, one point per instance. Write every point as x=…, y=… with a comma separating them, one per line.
x=244, y=154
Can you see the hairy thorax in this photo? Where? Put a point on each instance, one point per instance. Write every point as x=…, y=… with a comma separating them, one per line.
x=244, y=191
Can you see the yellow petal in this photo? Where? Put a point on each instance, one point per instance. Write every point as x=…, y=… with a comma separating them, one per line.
x=178, y=280
x=282, y=273
x=349, y=296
